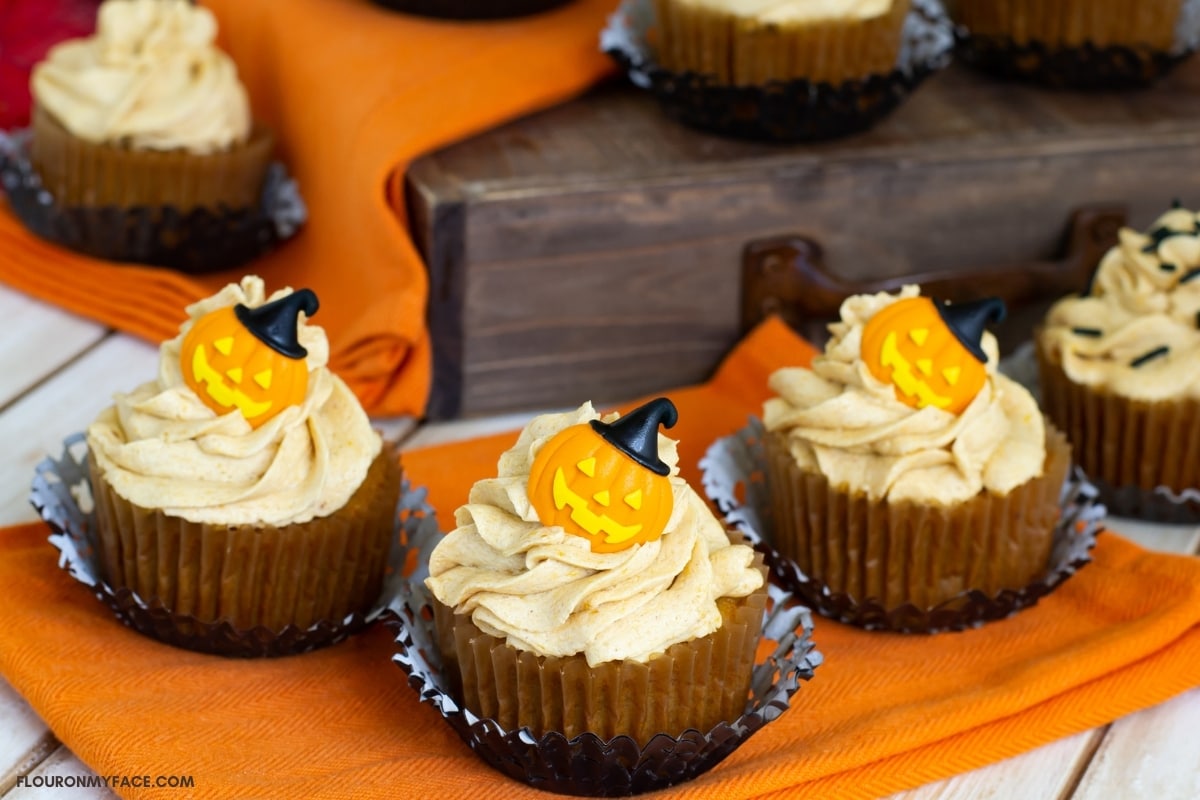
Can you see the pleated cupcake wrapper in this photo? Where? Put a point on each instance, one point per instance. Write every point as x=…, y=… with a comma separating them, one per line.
x=1074, y=45
x=735, y=478
x=195, y=240
x=471, y=9
x=784, y=111
x=62, y=493
x=1144, y=457
x=588, y=764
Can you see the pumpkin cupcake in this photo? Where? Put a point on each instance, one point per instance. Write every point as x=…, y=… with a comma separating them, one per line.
x=588, y=588
x=1120, y=370
x=244, y=484
x=903, y=468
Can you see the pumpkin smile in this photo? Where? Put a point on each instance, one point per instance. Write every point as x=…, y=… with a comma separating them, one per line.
x=905, y=379
x=220, y=391
x=584, y=517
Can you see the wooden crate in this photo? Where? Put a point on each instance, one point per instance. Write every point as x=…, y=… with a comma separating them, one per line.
x=599, y=250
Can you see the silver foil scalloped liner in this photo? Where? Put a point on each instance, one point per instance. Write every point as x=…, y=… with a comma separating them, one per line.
x=198, y=241
x=735, y=480
x=61, y=493
x=1086, y=67
x=587, y=765
x=785, y=111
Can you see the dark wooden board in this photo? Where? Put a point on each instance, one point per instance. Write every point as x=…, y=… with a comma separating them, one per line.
x=594, y=250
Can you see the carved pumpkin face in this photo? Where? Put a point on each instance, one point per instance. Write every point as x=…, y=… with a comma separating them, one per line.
x=229, y=367
x=910, y=345
x=582, y=483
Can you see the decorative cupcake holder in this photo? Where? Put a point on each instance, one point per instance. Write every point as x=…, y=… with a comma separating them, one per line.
x=785, y=111
x=733, y=468
x=198, y=241
x=1084, y=67
x=588, y=765
x=61, y=493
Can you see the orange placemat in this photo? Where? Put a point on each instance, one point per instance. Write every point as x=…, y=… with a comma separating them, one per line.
x=355, y=92
x=884, y=712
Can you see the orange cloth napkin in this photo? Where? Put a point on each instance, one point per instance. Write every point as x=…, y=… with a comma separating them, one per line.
x=355, y=92
x=885, y=712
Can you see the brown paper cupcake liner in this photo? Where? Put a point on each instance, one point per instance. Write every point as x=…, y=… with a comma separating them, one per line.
x=782, y=111
x=1077, y=46
x=471, y=9
x=735, y=479
x=586, y=763
x=197, y=240
x=63, y=494
x=1144, y=457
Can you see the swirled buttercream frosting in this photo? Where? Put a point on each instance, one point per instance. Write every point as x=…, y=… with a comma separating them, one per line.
x=545, y=591
x=842, y=421
x=161, y=447
x=1135, y=332
x=151, y=77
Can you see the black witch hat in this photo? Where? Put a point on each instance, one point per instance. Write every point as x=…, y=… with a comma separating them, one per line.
x=968, y=320
x=275, y=323
x=636, y=433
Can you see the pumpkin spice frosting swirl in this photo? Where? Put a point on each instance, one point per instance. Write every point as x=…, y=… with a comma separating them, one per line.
x=544, y=590
x=161, y=447
x=1136, y=331
x=151, y=78
x=842, y=421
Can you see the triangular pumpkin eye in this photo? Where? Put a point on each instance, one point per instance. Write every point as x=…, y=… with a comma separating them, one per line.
x=263, y=378
x=224, y=345
x=951, y=374
x=634, y=499
x=919, y=335
x=588, y=467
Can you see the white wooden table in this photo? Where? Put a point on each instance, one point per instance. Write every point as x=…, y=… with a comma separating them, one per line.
x=57, y=371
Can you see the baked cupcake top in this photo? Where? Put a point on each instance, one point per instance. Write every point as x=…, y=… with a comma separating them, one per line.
x=889, y=438
x=547, y=591
x=194, y=453
x=150, y=78
x=1135, y=331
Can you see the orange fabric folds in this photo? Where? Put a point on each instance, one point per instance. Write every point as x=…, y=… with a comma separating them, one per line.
x=883, y=713
x=354, y=93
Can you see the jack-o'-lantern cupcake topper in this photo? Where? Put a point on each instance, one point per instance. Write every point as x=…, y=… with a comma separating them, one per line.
x=249, y=358
x=606, y=482
x=930, y=351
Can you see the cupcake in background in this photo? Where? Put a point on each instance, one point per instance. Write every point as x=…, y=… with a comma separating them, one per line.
x=763, y=41
x=243, y=485
x=146, y=112
x=903, y=469
x=1120, y=370
x=588, y=588
x=1077, y=43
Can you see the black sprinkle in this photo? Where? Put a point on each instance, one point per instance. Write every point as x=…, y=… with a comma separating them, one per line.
x=1160, y=235
x=1093, y=332
x=1146, y=357
x=1194, y=272
x=1165, y=267
x=1176, y=203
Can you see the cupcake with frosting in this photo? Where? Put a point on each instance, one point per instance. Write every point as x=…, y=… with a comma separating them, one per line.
x=588, y=588
x=1120, y=367
x=903, y=468
x=244, y=484
x=146, y=112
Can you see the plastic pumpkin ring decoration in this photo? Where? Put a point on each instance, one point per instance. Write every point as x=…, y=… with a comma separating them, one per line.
x=605, y=482
x=249, y=359
x=930, y=351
